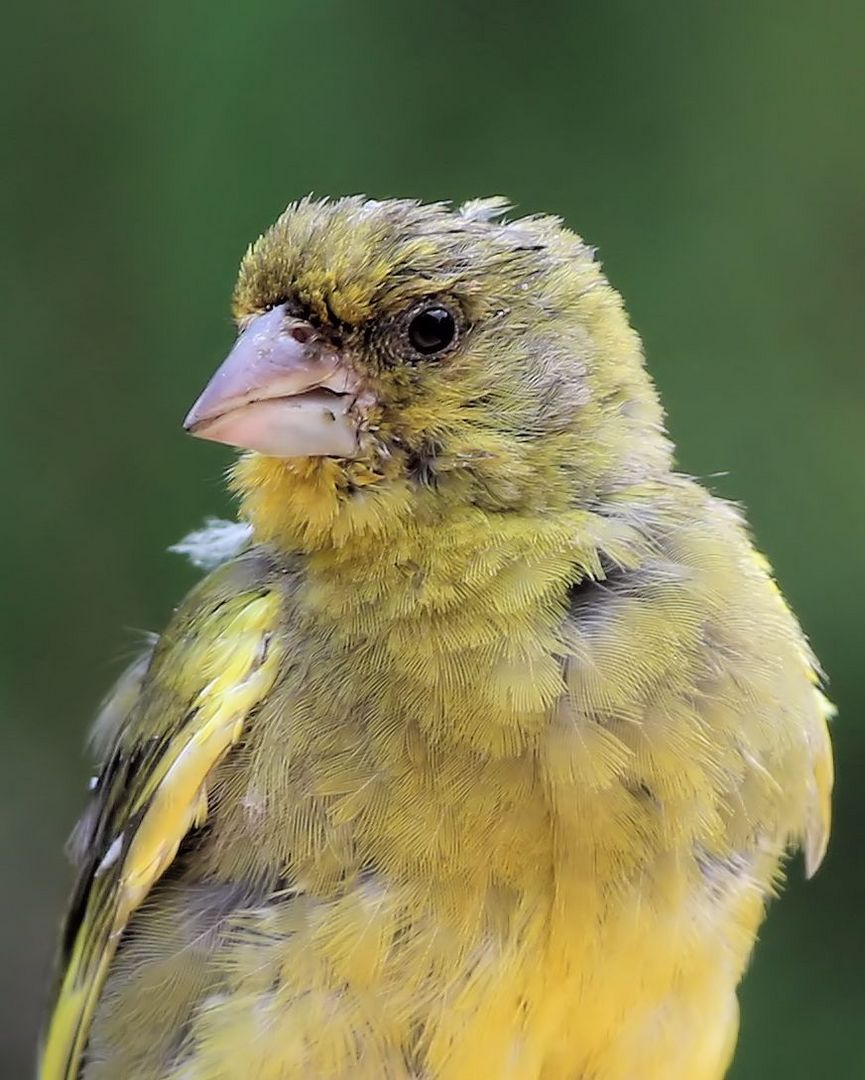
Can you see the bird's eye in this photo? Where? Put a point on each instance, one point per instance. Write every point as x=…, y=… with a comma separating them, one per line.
x=432, y=330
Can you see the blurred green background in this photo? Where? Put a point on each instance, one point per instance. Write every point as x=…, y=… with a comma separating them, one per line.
x=714, y=153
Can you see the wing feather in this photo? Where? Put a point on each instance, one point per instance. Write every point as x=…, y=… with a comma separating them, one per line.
x=185, y=709
x=820, y=814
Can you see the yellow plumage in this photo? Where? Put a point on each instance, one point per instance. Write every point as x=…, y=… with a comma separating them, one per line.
x=482, y=761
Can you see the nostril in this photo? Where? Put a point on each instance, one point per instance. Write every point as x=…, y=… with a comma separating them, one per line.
x=301, y=332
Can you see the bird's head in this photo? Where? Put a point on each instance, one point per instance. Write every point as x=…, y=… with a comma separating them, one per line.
x=392, y=355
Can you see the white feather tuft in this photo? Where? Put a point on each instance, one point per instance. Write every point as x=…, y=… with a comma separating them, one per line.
x=215, y=543
x=495, y=206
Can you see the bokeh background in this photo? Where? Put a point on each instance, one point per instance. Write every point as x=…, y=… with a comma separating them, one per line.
x=714, y=153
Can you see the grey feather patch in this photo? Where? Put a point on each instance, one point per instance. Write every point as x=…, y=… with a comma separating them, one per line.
x=215, y=543
x=118, y=704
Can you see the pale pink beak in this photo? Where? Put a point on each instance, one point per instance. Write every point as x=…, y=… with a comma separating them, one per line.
x=282, y=391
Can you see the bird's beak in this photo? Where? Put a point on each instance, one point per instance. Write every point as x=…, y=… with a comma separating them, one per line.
x=282, y=391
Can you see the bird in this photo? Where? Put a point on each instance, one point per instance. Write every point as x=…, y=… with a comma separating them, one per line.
x=483, y=745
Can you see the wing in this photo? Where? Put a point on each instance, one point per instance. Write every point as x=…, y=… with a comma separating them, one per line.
x=173, y=717
x=820, y=780
x=814, y=716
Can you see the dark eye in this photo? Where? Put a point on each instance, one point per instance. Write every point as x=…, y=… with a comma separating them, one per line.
x=432, y=330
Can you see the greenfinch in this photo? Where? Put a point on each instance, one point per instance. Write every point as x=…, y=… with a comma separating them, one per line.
x=479, y=752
